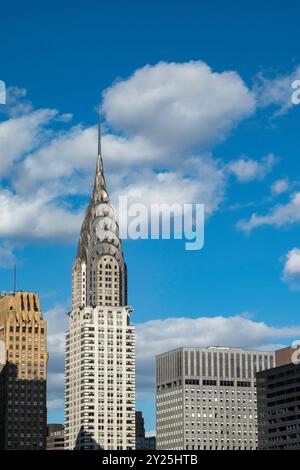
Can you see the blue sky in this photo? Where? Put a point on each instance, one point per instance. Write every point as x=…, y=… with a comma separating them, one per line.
x=245, y=162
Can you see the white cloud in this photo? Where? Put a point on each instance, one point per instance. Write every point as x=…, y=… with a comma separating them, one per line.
x=281, y=215
x=202, y=182
x=159, y=122
x=20, y=135
x=37, y=218
x=67, y=154
x=246, y=169
x=280, y=186
x=70, y=157
x=178, y=104
x=276, y=91
x=123, y=151
x=156, y=116
x=212, y=104
x=291, y=272
x=42, y=216
x=190, y=102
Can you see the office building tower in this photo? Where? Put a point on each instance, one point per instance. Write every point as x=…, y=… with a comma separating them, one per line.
x=206, y=398
x=278, y=400
x=23, y=414
x=100, y=343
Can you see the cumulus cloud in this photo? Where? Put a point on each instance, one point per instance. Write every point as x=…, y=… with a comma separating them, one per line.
x=246, y=169
x=201, y=180
x=74, y=151
x=19, y=135
x=158, y=122
x=127, y=151
x=291, y=271
x=70, y=158
x=178, y=104
x=279, y=216
x=37, y=217
x=66, y=154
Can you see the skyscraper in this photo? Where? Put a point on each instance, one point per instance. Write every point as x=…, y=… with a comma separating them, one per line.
x=206, y=398
x=100, y=343
x=278, y=400
x=23, y=373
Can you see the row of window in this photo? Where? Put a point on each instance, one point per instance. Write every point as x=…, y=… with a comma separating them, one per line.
x=28, y=329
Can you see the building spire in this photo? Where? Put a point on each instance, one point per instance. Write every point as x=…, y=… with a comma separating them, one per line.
x=99, y=131
x=99, y=237
x=100, y=192
x=99, y=158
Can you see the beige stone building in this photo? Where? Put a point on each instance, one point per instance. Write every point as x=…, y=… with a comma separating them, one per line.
x=23, y=332
x=100, y=343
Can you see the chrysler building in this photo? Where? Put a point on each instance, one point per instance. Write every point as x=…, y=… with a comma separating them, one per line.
x=100, y=343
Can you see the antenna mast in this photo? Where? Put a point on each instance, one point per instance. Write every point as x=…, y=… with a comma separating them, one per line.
x=15, y=278
x=99, y=131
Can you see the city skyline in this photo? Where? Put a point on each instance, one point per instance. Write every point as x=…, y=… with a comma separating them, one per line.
x=231, y=143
